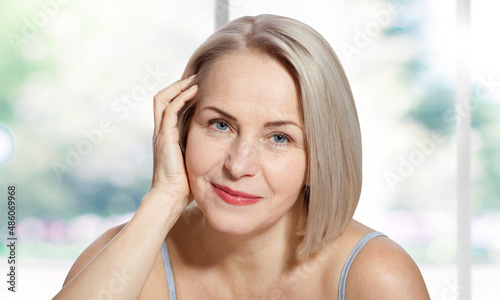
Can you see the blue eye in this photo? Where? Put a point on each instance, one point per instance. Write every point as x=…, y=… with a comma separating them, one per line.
x=218, y=125
x=221, y=126
x=280, y=138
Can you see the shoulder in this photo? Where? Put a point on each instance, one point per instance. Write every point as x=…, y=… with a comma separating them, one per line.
x=383, y=270
x=92, y=250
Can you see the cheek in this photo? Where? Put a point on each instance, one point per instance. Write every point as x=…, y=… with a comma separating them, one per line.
x=202, y=156
x=286, y=175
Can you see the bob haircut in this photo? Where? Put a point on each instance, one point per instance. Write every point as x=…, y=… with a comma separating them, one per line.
x=331, y=126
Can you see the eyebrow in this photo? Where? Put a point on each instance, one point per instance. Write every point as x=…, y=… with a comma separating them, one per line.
x=268, y=124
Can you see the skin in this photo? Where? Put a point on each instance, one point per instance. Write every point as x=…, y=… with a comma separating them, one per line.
x=222, y=251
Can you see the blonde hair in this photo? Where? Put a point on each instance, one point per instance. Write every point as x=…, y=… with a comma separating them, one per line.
x=331, y=123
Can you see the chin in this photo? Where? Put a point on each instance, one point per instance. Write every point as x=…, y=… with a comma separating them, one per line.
x=230, y=222
x=232, y=230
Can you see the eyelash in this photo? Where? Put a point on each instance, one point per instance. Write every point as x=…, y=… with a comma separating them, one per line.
x=218, y=120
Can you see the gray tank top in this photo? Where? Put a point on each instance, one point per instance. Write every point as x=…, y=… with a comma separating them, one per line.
x=343, y=276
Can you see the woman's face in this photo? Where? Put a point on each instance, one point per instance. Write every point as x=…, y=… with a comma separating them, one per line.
x=245, y=151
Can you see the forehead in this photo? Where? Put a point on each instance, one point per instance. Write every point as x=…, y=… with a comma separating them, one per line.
x=254, y=80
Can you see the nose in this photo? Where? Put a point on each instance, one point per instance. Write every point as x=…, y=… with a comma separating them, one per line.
x=241, y=160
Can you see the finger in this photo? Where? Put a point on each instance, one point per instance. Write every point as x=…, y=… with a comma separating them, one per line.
x=171, y=137
x=165, y=96
x=175, y=88
x=171, y=111
x=166, y=144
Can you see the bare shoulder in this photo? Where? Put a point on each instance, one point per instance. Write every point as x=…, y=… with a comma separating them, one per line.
x=383, y=270
x=92, y=250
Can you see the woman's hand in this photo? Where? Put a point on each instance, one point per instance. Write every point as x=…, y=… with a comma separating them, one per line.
x=169, y=172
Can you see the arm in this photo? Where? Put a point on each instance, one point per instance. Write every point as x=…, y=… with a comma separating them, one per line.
x=119, y=262
x=383, y=270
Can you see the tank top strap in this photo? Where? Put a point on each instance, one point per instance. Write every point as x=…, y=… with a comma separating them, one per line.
x=350, y=258
x=168, y=271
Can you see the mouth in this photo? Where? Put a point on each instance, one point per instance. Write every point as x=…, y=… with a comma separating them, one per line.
x=234, y=197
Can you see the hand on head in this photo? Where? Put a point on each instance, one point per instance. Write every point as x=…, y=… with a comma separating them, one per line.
x=169, y=172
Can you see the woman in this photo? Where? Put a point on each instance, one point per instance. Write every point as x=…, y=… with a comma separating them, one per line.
x=262, y=133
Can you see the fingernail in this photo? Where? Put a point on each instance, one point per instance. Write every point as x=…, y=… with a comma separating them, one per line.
x=192, y=76
x=194, y=86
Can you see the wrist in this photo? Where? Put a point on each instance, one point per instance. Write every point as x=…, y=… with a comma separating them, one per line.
x=163, y=205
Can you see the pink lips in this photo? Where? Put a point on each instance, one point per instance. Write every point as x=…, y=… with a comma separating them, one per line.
x=234, y=197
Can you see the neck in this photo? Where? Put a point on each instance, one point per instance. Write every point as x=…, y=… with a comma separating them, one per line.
x=256, y=259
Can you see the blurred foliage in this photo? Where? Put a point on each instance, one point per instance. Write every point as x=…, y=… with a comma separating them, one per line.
x=30, y=169
x=432, y=109
x=436, y=110
x=13, y=67
x=487, y=189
